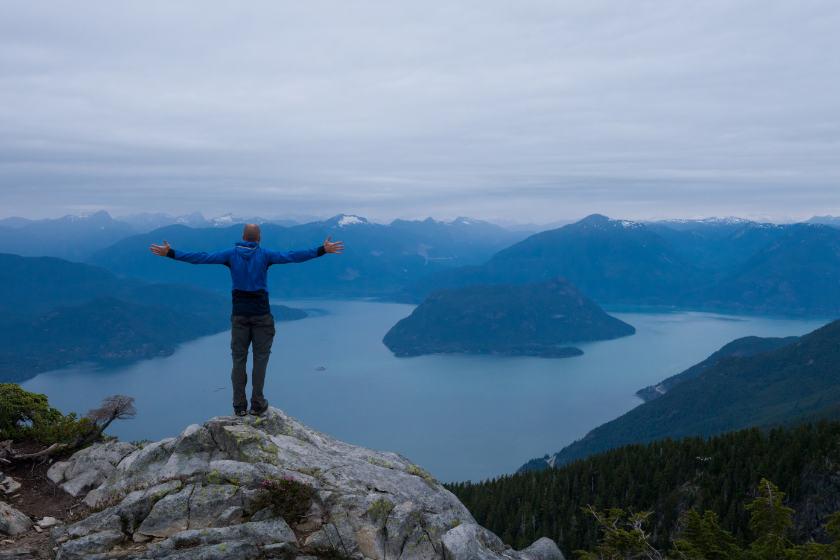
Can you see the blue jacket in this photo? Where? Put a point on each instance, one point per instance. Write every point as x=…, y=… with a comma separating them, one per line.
x=248, y=263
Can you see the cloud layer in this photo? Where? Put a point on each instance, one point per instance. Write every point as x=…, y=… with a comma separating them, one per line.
x=527, y=110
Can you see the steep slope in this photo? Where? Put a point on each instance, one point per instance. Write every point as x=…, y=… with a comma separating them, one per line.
x=717, y=244
x=74, y=238
x=667, y=477
x=612, y=261
x=747, y=346
x=765, y=389
x=797, y=273
x=504, y=319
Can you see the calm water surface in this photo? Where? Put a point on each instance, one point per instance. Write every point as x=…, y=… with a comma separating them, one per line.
x=460, y=417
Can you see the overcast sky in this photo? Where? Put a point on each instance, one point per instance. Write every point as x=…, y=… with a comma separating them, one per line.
x=532, y=111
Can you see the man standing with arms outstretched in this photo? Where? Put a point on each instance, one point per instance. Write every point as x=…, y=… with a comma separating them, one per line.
x=251, y=319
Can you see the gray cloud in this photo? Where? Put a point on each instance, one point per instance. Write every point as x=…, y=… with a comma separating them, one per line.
x=529, y=110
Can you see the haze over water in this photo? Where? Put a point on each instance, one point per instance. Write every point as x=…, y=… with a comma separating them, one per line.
x=461, y=417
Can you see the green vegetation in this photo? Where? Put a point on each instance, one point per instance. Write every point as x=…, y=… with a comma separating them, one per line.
x=797, y=382
x=720, y=474
x=504, y=319
x=288, y=498
x=25, y=415
x=702, y=537
x=746, y=346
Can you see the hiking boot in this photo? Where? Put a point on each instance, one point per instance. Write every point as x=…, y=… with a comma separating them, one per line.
x=241, y=412
x=258, y=411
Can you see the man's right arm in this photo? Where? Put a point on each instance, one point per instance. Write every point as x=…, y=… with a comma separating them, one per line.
x=222, y=257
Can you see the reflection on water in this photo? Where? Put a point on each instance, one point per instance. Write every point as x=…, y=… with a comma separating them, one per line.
x=460, y=417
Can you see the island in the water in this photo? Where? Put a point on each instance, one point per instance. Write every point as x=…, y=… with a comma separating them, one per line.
x=528, y=320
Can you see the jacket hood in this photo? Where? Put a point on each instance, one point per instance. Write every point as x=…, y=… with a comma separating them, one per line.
x=246, y=249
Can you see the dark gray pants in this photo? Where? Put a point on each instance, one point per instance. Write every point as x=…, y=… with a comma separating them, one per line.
x=244, y=331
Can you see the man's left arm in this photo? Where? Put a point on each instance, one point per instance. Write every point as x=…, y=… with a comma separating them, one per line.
x=284, y=257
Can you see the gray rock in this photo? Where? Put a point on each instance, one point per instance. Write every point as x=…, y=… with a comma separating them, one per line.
x=10, y=486
x=138, y=504
x=231, y=516
x=84, y=464
x=48, y=522
x=279, y=550
x=84, y=483
x=263, y=514
x=95, y=497
x=368, y=504
x=251, y=500
x=56, y=472
x=472, y=542
x=112, y=452
x=306, y=558
x=91, y=544
x=169, y=516
x=13, y=522
x=266, y=532
x=96, y=523
x=543, y=549
x=58, y=535
x=209, y=502
x=234, y=550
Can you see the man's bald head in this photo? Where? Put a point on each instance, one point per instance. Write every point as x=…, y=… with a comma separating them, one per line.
x=251, y=233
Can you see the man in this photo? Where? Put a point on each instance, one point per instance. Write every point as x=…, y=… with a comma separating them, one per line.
x=251, y=319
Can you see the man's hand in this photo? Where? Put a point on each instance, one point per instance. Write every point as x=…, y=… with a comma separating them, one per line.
x=336, y=247
x=161, y=251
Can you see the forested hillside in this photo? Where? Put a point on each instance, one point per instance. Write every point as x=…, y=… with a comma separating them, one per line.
x=528, y=320
x=796, y=382
x=668, y=477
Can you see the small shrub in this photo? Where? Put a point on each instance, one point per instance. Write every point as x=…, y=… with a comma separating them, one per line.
x=25, y=415
x=287, y=497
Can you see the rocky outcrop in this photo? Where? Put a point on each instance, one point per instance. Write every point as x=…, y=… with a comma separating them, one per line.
x=89, y=469
x=196, y=496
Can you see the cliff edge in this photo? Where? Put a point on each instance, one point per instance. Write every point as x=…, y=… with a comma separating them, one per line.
x=197, y=497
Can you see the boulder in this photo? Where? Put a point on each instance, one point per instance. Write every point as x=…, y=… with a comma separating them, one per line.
x=232, y=550
x=231, y=516
x=87, y=469
x=543, y=549
x=13, y=522
x=91, y=544
x=56, y=472
x=9, y=485
x=84, y=482
x=169, y=516
x=196, y=490
x=48, y=522
x=209, y=502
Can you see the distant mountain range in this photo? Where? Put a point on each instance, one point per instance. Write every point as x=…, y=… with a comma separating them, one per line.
x=56, y=312
x=378, y=260
x=738, y=387
x=529, y=320
x=709, y=264
x=724, y=264
x=77, y=237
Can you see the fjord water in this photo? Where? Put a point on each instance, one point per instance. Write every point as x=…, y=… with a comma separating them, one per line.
x=461, y=417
